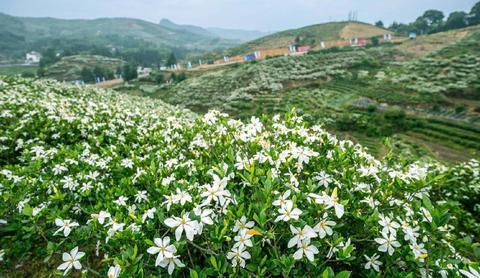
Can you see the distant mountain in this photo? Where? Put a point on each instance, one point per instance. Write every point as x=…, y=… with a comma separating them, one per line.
x=311, y=35
x=187, y=28
x=240, y=35
x=228, y=34
x=21, y=34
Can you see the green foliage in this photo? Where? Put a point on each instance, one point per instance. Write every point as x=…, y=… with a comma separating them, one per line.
x=129, y=72
x=87, y=152
x=172, y=60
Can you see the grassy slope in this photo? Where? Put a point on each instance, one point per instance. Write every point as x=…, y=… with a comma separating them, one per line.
x=69, y=68
x=319, y=32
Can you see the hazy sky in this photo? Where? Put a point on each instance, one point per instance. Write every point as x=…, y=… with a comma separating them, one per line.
x=267, y=15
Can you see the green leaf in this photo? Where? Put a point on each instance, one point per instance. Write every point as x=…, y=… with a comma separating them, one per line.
x=328, y=273
x=27, y=210
x=193, y=273
x=213, y=261
x=343, y=274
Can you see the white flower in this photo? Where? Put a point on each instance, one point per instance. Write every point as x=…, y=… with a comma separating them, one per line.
x=148, y=214
x=282, y=200
x=305, y=249
x=371, y=202
x=114, y=271
x=242, y=224
x=163, y=249
x=127, y=163
x=471, y=273
x=388, y=225
x=287, y=212
x=373, y=262
x=242, y=239
x=216, y=192
x=171, y=263
x=121, y=201
x=205, y=217
x=71, y=260
x=184, y=223
x=58, y=169
x=238, y=256
x=323, y=179
x=182, y=197
x=419, y=251
x=2, y=253
x=65, y=226
x=387, y=243
x=101, y=216
x=141, y=197
x=114, y=227
x=300, y=235
x=330, y=201
x=323, y=228
x=170, y=200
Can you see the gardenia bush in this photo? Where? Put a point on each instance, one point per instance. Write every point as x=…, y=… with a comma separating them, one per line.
x=101, y=183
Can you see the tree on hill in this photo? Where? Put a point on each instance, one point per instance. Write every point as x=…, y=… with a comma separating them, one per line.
x=474, y=17
x=49, y=57
x=456, y=20
x=379, y=24
x=433, y=17
x=129, y=72
x=87, y=75
x=172, y=60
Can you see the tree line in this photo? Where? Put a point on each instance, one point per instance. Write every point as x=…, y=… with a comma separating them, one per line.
x=434, y=21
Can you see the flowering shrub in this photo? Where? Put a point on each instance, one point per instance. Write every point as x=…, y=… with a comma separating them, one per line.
x=111, y=184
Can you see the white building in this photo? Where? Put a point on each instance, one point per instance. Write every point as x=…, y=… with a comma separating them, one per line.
x=141, y=71
x=33, y=58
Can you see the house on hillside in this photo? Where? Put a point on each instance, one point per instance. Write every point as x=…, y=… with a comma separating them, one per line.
x=387, y=37
x=358, y=41
x=303, y=48
x=32, y=58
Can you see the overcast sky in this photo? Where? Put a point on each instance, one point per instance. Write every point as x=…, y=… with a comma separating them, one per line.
x=265, y=15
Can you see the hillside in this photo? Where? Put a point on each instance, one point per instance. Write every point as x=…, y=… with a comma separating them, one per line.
x=70, y=68
x=96, y=182
x=312, y=35
x=21, y=34
x=361, y=92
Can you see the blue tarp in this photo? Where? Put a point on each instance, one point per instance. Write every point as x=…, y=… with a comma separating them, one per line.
x=249, y=57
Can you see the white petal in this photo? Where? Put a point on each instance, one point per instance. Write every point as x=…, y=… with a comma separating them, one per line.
x=178, y=232
x=63, y=266
x=153, y=250
x=170, y=222
x=293, y=241
x=77, y=265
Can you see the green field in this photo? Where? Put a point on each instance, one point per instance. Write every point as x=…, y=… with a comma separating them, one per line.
x=18, y=70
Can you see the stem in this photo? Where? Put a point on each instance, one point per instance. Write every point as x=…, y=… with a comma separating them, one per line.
x=208, y=251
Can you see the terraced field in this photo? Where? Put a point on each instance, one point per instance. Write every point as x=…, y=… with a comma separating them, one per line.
x=353, y=89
